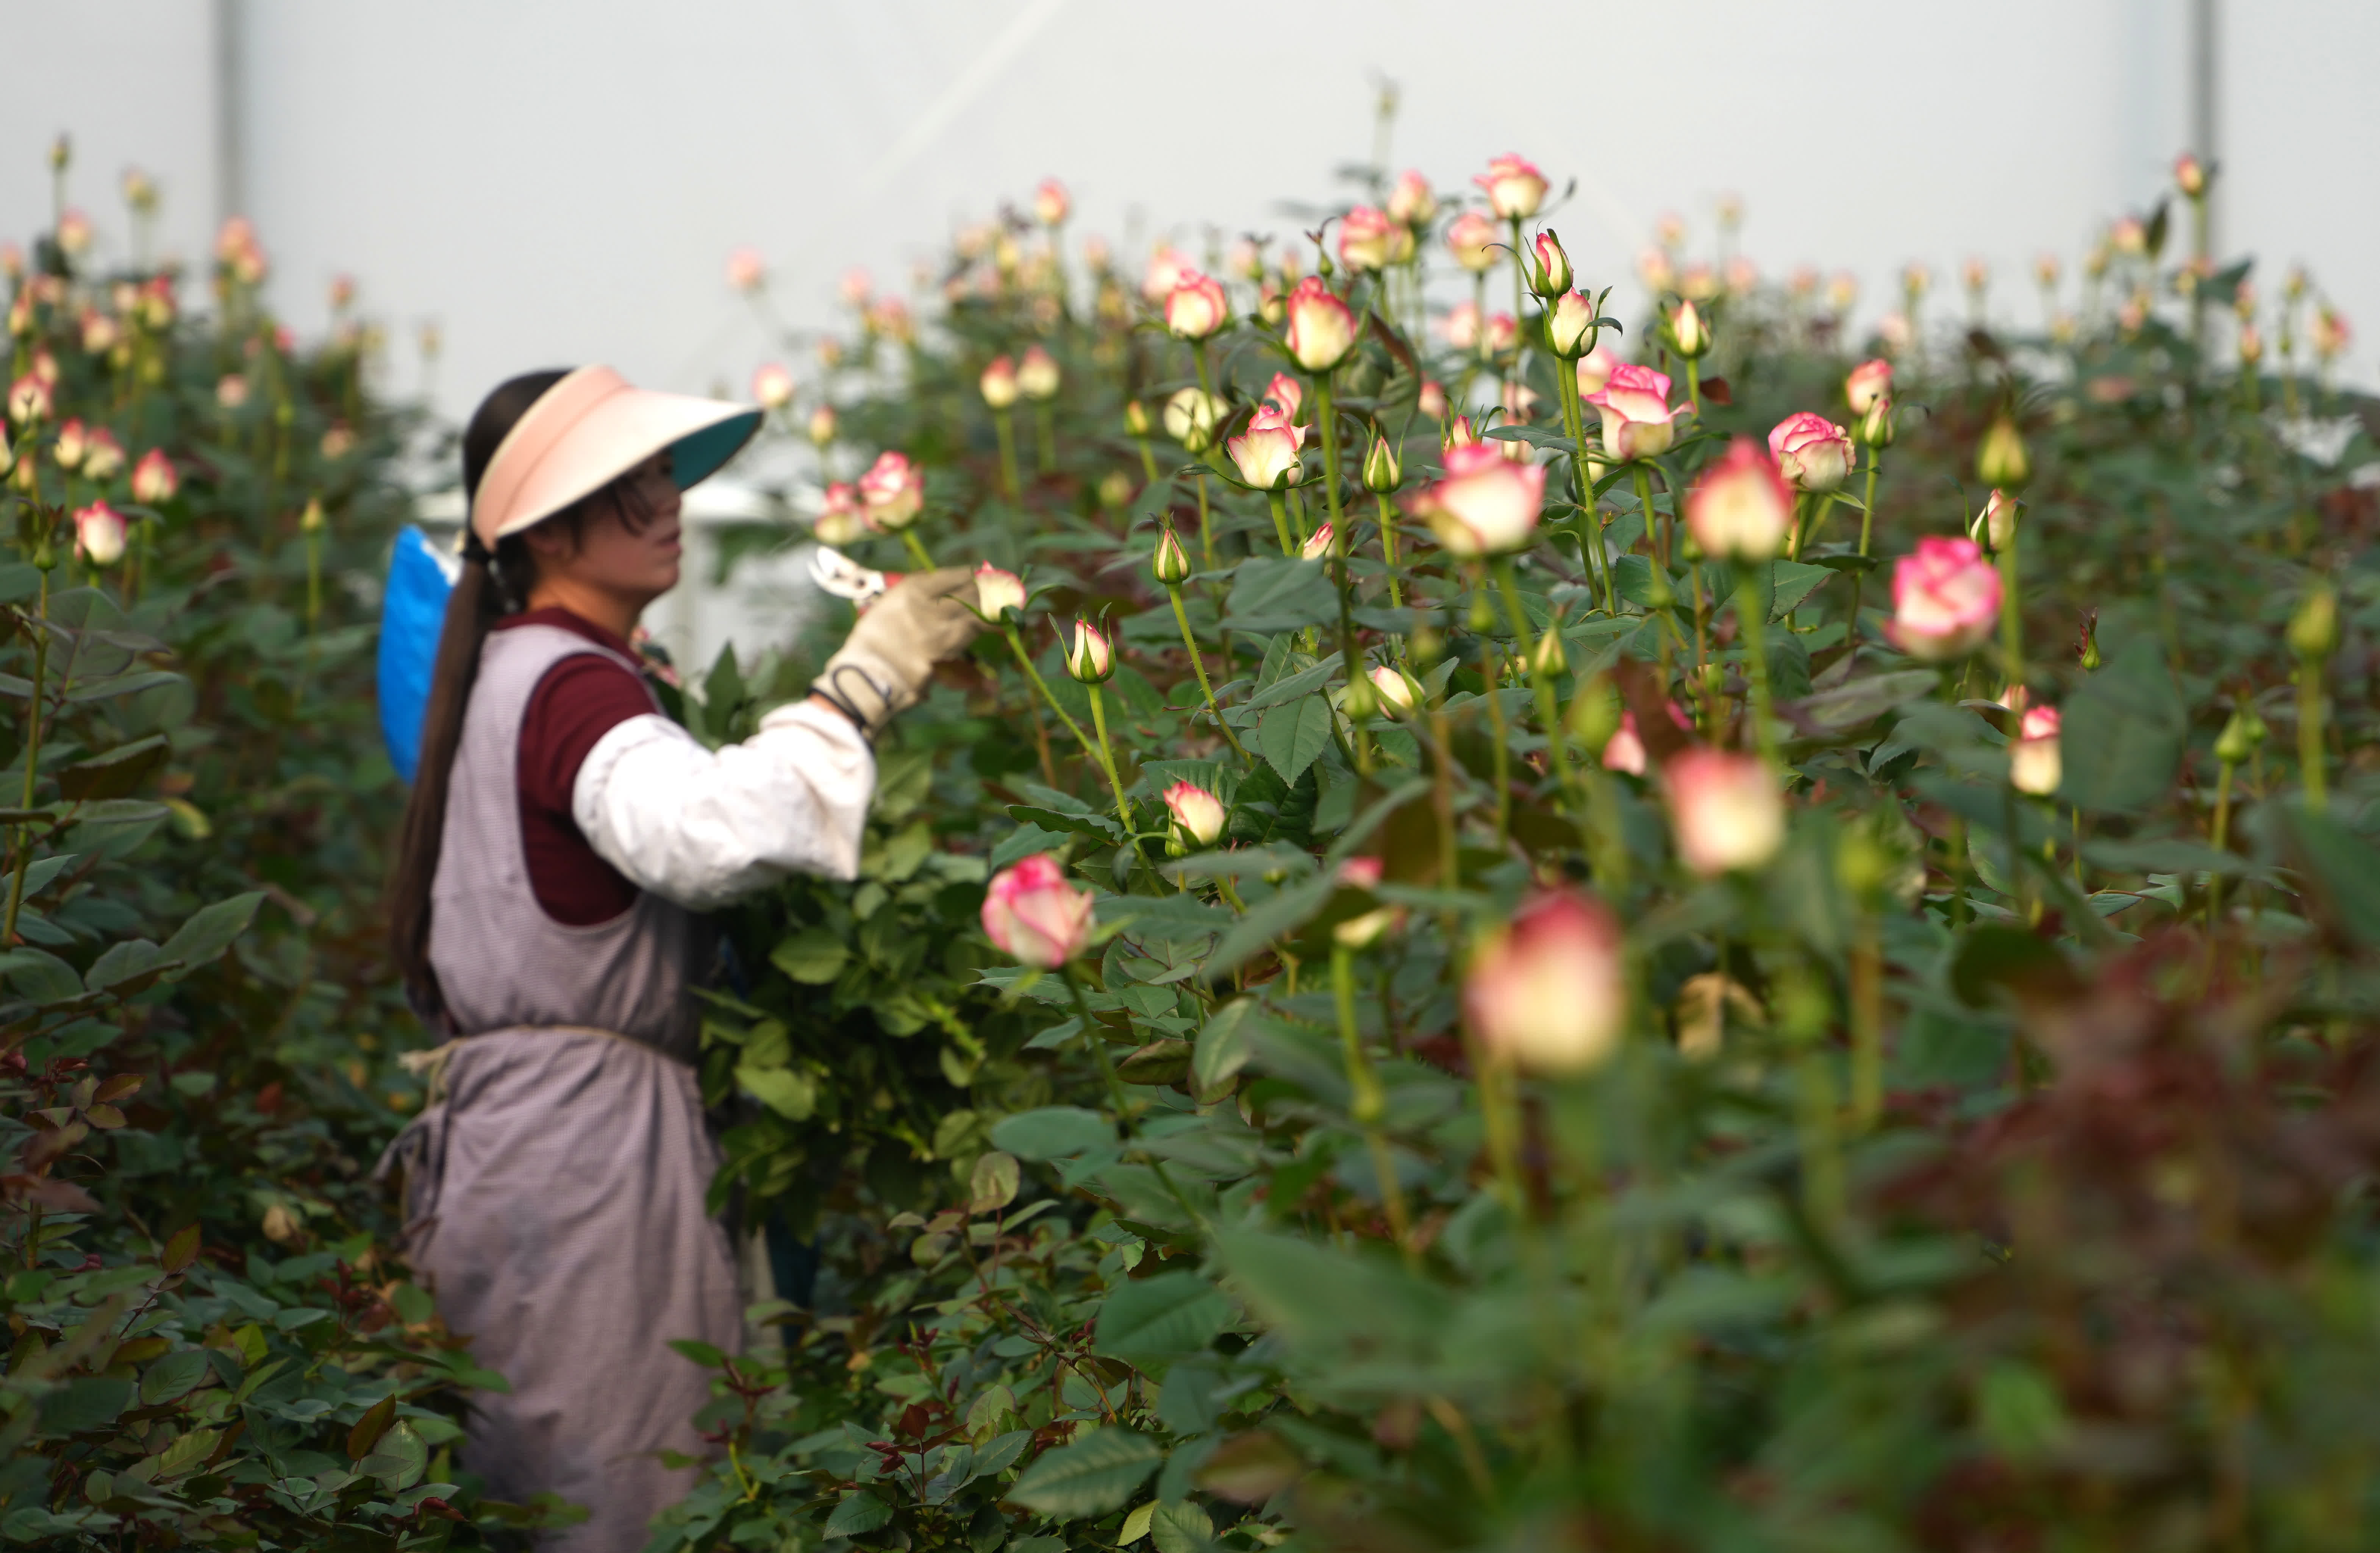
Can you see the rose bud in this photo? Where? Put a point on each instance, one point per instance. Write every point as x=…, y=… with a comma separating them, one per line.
x=843, y=516
x=1036, y=375
x=1382, y=473
x=1994, y=526
x=1515, y=189
x=1411, y=201
x=2252, y=345
x=1472, y=239
x=313, y=520
x=1431, y=401
x=99, y=333
x=1191, y=417
x=1170, y=563
x=1568, y=323
x=1549, y=277
x=98, y=534
x=1636, y=412
x=1198, y=815
x=1166, y=269
x=1196, y=307
x=1548, y=990
x=1318, y=544
x=1875, y=427
x=773, y=387
x=997, y=591
x=71, y=444
x=2312, y=632
x=1460, y=432
x=1946, y=597
x=1688, y=333
x=1321, y=327
x=2190, y=175
x=74, y=233
x=894, y=490
x=2002, y=460
x=1595, y=370
x=1812, y=451
x=1657, y=270
x=231, y=391
x=1267, y=452
x=1725, y=809
x=746, y=272
x=999, y=383
x=1031, y=914
x=821, y=426
x=1051, y=203
x=1365, y=238
x=1625, y=749
x=103, y=456
x=1089, y=659
x=2034, y=765
x=1868, y=382
x=1741, y=509
x=1487, y=505
x=1501, y=332
x=1285, y=395
x=155, y=478
x=29, y=400
x=1393, y=689
x=1136, y=418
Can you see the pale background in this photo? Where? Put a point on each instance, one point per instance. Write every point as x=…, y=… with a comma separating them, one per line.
x=555, y=181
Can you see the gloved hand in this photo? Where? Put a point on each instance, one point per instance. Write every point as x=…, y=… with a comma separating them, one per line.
x=883, y=665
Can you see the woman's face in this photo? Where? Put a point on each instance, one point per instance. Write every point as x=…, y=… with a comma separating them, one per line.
x=633, y=564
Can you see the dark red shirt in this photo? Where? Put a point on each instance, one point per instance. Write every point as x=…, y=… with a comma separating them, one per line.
x=580, y=699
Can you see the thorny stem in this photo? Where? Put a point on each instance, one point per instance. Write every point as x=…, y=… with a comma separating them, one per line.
x=1198, y=662
x=1367, y=1103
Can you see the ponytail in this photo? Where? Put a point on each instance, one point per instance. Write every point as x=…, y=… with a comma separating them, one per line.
x=492, y=586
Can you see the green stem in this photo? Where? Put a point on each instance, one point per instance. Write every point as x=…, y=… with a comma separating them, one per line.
x=916, y=550
x=1868, y=531
x=1147, y=460
x=2011, y=619
x=1644, y=500
x=1025, y=661
x=1491, y=670
x=1574, y=423
x=1542, y=681
x=1045, y=438
x=1125, y=1114
x=1748, y=614
x=1367, y=1102
x=1009, y=486
x=1206, y=526
x=1281, y=523
x=1694, y=384
x=1107, y=759
x=32, y=745
x=1389, y=552
x=2310, y=758
x=1198, y=662
x=1327, y=417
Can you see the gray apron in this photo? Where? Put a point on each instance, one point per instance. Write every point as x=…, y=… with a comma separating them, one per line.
x=554, y=1185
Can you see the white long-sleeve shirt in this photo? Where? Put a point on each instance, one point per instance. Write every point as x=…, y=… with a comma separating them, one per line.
x=700, y=827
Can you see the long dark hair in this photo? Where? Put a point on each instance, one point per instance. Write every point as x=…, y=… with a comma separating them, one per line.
x=493, y=585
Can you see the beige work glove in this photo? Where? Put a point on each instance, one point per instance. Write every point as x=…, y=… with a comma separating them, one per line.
x=883, y=665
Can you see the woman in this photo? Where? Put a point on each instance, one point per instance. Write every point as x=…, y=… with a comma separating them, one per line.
x=562, y=839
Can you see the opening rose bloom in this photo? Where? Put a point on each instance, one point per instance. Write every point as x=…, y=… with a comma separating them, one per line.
x=1051, y=202
x=1472, y=239
x=1813, y=453
x=1284, y=394
x=1595, y=370
x=1191, y=417
x=155, y=478
x=1411, y=201
x=1033, y=915
x=997, y=383
x=1366, y=238
x=98, y=534
x=773, y=387
x=1548, y=990
x=1945, y=599
x=1036, y=375
x=843, y=517
x=894, y=492
x=2034, y=765
x=1867, y=382
x=996, y=590
x=1267, y=452
x=1515, y=189
x=1637, y=415
x=1318, y=545
x=1625, y=751
x=1741, y=509
x=1196, y=307
x=1321, y=327
x=1487, y=505
x=1197, y=813
x=1725, y=810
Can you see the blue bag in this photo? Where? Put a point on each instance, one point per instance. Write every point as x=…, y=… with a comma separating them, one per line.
x=412, y=615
